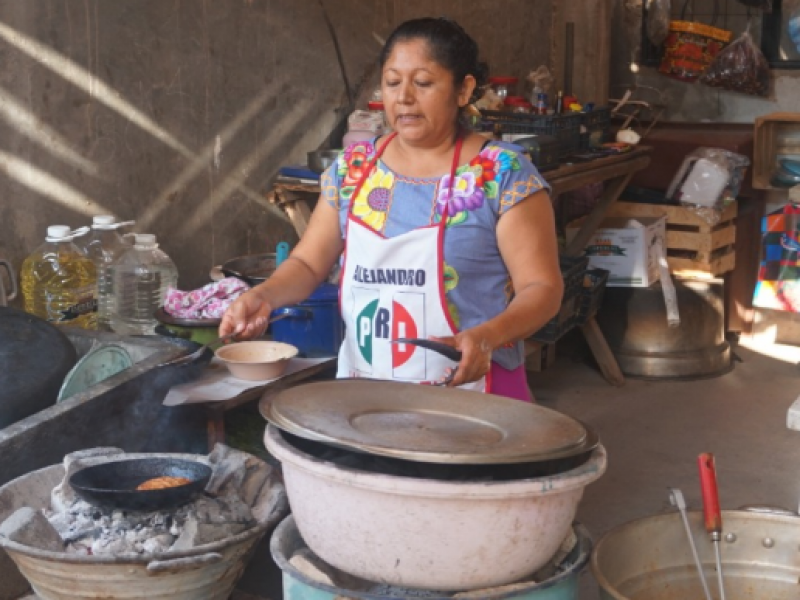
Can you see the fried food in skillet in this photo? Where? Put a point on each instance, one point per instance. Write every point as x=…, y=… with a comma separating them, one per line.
x=160, y=483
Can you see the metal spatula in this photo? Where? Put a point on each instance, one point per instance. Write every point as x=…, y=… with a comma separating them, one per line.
x=438, y=347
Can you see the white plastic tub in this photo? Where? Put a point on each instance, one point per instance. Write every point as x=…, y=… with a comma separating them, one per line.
x=422, y=533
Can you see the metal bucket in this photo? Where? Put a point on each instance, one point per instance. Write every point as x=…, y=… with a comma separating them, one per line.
x=286, y=541
x=650, y=559
x=207, y=572
x=634, y=322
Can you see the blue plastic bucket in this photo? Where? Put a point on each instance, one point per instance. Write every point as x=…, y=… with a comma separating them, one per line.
x=313, y=326
x=286, y=541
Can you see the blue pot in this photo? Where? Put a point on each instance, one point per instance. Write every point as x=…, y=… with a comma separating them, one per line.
x=286, y=541
x=313, y=326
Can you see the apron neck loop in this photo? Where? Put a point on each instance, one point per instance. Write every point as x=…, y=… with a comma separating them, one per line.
x=371, y=165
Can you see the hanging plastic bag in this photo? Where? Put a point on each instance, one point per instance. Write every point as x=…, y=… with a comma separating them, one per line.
x=765, y=5
x=778, y=284
x=691, y=46
x=741, y=67
x=658, y=12
x=707, y=181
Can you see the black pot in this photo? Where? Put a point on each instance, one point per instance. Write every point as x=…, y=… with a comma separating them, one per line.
x=35, y=356
x=252, y=269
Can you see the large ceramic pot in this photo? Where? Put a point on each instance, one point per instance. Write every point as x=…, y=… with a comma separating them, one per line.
x=427, y=533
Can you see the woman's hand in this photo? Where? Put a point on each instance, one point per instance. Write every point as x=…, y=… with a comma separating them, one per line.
x=476, y=356
x=248, y=316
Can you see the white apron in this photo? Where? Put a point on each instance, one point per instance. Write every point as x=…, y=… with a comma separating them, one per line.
x=394, y=288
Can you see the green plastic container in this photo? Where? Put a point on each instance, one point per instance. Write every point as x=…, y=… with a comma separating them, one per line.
x=286, y=541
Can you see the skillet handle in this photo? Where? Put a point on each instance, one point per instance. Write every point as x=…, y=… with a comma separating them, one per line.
x=176, y=565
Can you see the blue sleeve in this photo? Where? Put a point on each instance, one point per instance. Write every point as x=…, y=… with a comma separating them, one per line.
x=517, y=178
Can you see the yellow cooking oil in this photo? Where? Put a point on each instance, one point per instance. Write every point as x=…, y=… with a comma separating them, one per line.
x=59, y=282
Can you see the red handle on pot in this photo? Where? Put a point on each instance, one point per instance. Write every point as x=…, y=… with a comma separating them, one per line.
x=708, y=485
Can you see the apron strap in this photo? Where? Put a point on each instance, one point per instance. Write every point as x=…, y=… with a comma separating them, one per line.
x=368, y=170
x=371, y=165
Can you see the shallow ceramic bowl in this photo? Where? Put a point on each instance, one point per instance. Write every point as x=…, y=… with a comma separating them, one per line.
x=257, y=361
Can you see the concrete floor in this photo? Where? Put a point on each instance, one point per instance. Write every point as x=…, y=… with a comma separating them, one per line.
x=654, y=430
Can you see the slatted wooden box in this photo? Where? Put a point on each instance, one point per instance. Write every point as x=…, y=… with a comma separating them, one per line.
x=694, y=248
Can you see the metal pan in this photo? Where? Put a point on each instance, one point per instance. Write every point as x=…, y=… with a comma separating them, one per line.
x=252, y=269
x=113, y=484
x=650, y=558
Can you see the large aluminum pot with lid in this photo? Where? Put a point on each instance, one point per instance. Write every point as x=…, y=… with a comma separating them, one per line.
x=427, y=487
x=650, y=558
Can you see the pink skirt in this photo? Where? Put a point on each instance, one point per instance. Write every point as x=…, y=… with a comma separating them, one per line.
x=511, y=383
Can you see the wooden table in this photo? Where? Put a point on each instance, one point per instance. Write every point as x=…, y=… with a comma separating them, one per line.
x=614, y=172
x=296, y=200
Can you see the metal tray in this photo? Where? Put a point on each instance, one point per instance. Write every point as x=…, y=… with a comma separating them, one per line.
x=425, y=423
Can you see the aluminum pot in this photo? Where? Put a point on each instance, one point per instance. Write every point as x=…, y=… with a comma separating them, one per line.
x=634, y=322
x=430, y=534
x=651, y=558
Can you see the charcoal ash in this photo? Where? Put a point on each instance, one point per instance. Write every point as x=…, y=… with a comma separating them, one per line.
x=240, y=481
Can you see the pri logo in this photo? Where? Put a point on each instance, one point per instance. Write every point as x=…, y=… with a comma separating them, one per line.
x=375, y=323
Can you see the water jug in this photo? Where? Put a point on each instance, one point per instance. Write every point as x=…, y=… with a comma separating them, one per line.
x=104, y=245
x=140, y=278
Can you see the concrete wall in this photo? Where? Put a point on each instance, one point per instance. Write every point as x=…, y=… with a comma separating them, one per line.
x=693, y=102
x=179, y=113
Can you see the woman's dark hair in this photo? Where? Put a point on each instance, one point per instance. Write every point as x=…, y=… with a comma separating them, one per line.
x=450, y=46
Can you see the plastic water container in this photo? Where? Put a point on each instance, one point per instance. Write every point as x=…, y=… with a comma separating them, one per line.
x=59, y=282
x=140, y=278
x=104, y=245
x=314, y=326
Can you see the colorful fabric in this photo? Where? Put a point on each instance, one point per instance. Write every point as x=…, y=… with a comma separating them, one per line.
x=476, y=281
x=209, y=302
x=778, y=284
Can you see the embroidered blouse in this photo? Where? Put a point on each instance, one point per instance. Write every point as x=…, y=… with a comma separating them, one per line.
x=477, y=284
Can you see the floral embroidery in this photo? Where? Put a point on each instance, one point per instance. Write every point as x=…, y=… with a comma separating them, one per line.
x=450, y=276
x=374, y=200
x=454, y=314
x=474, y=184
x=352, y=168
x=465, y=194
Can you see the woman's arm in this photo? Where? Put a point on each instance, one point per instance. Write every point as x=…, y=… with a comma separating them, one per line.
x=526, y=237
x=307, y=266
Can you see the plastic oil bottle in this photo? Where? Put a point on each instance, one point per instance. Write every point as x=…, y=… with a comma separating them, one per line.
x=140, y=278
x=59, y=281
x=104, y=245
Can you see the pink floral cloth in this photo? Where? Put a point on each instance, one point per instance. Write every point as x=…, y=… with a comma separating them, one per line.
x=209, y=302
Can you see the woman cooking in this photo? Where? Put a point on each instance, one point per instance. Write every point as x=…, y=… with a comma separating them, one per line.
x=444, y=235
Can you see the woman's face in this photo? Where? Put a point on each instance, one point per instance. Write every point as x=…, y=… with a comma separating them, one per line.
x=420, y=97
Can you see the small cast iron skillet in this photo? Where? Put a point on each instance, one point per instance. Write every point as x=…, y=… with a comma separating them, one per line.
x=113, y=484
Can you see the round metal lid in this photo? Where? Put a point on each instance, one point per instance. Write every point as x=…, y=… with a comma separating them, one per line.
x=424, y=423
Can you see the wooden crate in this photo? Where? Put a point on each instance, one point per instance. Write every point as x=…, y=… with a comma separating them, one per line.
x=694, y=248
x=776, y=135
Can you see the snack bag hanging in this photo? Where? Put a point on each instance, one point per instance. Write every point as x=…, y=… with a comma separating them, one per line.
x=691, y=46
x=658, y=12
x=778, y=284
x=741, y=67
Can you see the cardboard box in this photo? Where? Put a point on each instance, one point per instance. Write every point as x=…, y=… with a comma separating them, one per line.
x=694, y=247
x=625, y=248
